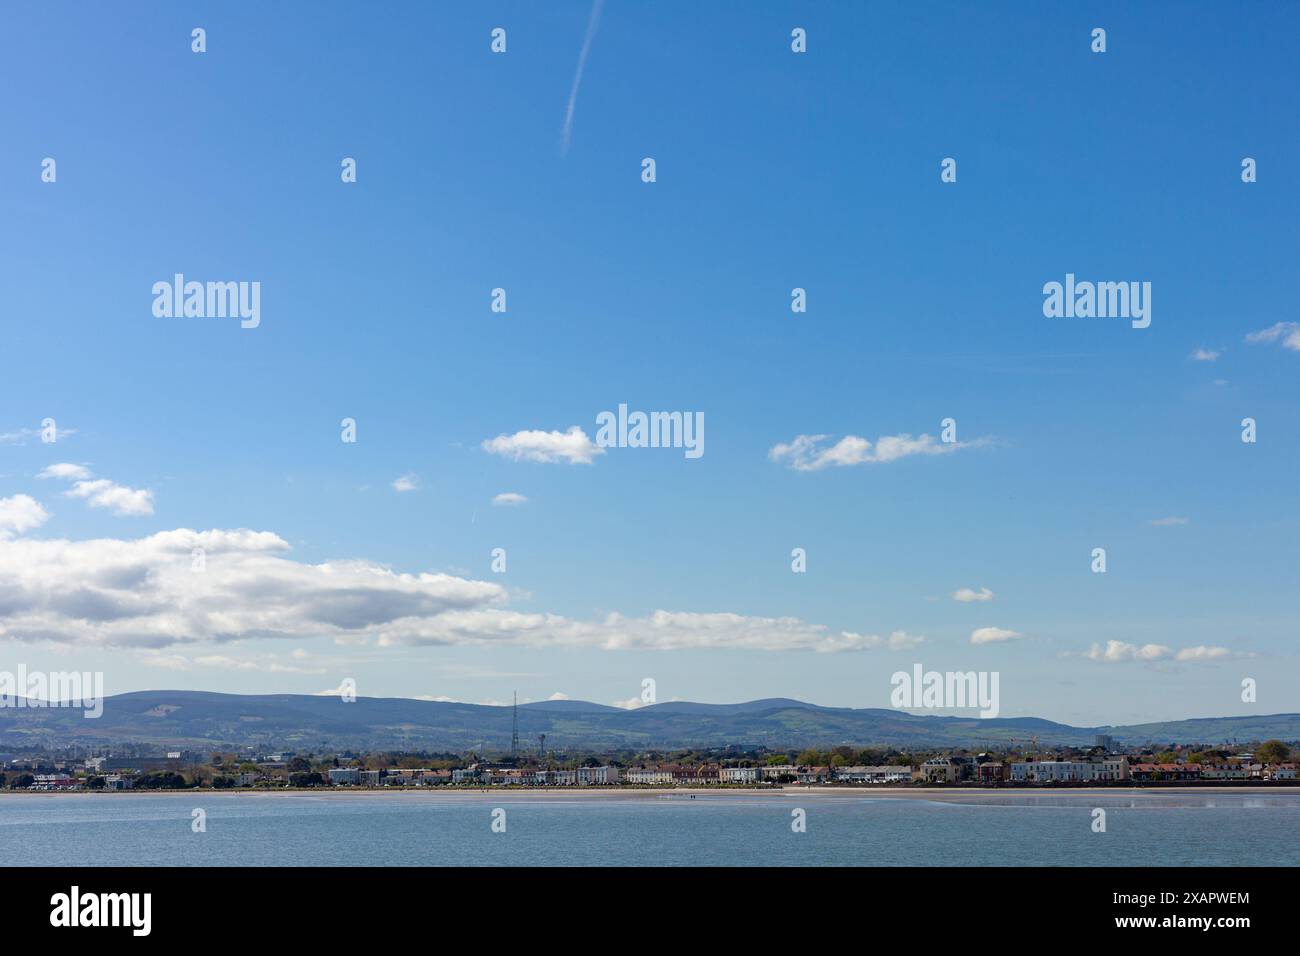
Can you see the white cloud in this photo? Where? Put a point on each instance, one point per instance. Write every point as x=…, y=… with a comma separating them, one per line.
x=1170, y=522
x=558, y=696
x=143, y=593
x=19, y=514
x=1118, y=652
x=993, y=635
x=806, y=452
x=661, y=630
x=100, y=492
x=632, y=703
x=407, y=482
x=121, y=500
x=573, y=446
x=1205, y=355
x=1287, y=333
x=262, y=663
x=966, y=595
x=65, y=470
x=901, y=641
x=509, y=498
x=20, y=436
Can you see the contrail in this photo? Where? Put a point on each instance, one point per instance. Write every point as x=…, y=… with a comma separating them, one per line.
x=577, y=77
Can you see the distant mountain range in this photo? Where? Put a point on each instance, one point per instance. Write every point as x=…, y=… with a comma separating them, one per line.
x=179, y=718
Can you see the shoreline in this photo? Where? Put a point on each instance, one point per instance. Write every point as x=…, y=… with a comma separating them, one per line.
x=687, y=792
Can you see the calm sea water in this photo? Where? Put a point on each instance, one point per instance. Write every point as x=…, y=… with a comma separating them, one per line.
x=855, y=828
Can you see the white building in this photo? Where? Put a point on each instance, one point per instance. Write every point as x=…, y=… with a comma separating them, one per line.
x=941, y=770
x=597, y=776
x=873, y=774
x=1053, y=771
x=557, y=778
x=649, y=775
x=1114, y=767
x=338, y=775
x=1223, y=772
x=738, y=775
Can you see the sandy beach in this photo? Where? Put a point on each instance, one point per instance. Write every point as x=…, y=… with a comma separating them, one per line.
x=683, y=793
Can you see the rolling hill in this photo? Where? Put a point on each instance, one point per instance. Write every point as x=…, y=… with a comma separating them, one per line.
x=300, y=722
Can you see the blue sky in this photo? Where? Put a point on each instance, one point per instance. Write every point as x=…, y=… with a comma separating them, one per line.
x=775, y=170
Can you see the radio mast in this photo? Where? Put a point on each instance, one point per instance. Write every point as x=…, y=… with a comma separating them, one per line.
x=514, y=731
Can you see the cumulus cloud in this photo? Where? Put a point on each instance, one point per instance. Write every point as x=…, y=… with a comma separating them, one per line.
x=144, y=593
x=993, y=635
x=966, y=595
x=1286, y=333
x=661, y=630
x=100, y=492
x=407, y=482
x=66, y=471
x=1202, y=652
x=121, y=500
x=1205, y=355
x=1115, y=652
x=509, y=498
x=809, y=452
x=19, y=514
x=573, y=447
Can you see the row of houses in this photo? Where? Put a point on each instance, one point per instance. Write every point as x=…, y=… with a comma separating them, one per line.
x=476, y=775
x=1108, y=769
x=65, y=781
x=1192, y=771
x=1115, y=768
x=668, y=775
x=704, y=774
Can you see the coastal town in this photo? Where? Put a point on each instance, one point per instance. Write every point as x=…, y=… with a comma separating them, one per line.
x=1104, y=764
